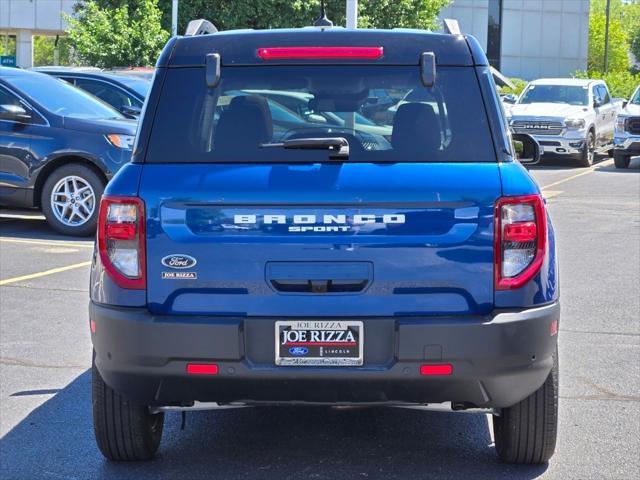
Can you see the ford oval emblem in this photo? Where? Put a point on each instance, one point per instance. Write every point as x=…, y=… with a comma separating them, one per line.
x=179, y=261
x=298, y=351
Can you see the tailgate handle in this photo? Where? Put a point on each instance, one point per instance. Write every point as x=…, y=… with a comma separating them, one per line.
x=319, y=286
x=319, y=277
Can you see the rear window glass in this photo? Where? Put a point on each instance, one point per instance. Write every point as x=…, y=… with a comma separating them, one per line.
x=384, y=112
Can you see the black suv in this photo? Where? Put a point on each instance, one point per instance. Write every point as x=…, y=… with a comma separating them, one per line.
x=58, y=148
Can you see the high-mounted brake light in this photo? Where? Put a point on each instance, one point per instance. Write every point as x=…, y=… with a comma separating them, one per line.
x=121, y=240
x=520, y=240
x=320, y=53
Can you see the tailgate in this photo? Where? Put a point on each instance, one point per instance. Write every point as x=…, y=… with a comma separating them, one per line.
x=320, y=240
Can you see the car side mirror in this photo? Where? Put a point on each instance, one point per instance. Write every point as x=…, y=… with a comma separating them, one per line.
x=597, y=103
x=14, y=113
x=131, y=111
x=510, y=98
x=527, y=149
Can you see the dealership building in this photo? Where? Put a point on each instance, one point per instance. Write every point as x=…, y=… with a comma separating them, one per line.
x=22, y=20
x=527, y=38
x=522, y=38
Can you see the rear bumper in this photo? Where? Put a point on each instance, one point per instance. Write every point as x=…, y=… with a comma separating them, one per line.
x=497, y=360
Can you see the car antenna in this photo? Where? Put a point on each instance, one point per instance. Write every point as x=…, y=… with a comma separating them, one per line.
x=322, y=21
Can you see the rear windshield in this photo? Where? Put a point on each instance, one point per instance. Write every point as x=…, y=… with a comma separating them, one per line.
x=384, y=112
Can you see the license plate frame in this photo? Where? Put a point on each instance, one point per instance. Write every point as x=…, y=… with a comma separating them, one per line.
x=319, y=349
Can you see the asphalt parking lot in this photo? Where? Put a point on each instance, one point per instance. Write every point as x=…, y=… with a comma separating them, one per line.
x=45, y=355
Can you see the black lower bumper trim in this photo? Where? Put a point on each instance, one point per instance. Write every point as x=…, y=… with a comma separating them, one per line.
x=497, y=360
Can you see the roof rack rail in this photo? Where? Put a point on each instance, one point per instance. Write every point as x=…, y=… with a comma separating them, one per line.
x=200, y=27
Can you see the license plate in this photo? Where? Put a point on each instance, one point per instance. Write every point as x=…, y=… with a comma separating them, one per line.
x=319, y=343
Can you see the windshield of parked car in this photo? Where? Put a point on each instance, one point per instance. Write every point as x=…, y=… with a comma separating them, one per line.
x=635, y=100
x=256, y=106
x=61, y=98
x=572, y=95
x=138, y=84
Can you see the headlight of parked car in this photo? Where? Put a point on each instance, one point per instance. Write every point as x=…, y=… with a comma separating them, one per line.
x=620, y=124
x=575, y=123
x=124, y=142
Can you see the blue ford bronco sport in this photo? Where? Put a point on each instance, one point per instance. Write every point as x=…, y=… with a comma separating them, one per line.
x=257, y=252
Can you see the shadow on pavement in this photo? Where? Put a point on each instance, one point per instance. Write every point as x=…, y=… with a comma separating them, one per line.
x=32, y=229
x=561, y=163
x=634, y=167
x=56, y=441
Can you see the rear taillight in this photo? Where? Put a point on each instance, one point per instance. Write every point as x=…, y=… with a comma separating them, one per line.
x=121, y=240
x=520, y=240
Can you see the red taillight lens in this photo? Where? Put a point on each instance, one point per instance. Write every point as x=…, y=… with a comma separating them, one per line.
x=520, y=232
x=520, y=240
x=121, y=240
x=320, y=53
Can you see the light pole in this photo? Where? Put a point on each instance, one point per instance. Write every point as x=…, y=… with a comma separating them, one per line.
x=606, y=38
x=352, y=14
x=174, y=18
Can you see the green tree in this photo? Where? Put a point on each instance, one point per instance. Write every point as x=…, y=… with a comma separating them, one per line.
x=631, y=18
x=260, y=14
x=43, y=50
x=618, y=36
x=7, y=45
x=117, y=33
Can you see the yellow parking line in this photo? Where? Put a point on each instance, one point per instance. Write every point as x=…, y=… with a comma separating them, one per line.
x=585, y=172
x=551, y=193
x=44, y=242
x=44, y=273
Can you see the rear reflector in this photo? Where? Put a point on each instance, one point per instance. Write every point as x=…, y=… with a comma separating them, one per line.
x=320, y=53
x=202, y=369
x=92, y=326
x=442, y=369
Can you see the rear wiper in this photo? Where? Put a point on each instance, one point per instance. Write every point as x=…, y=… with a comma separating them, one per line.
x=339, y=146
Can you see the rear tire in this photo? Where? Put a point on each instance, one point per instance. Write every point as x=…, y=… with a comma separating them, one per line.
x=588, y=151
x=526, y=432
x=621, y=161
x=124, y=431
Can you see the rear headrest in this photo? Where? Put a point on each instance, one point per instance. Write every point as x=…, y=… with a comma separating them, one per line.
x=245, y=124
x=416, y=129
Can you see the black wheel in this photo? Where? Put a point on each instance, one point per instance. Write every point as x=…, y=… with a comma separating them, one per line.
x=621, y=161
x=70, y=199
x=526, y=432
x=124, y=431
x=588, y=151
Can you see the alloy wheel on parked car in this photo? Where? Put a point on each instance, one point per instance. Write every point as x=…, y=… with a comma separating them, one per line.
x=73, y=201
